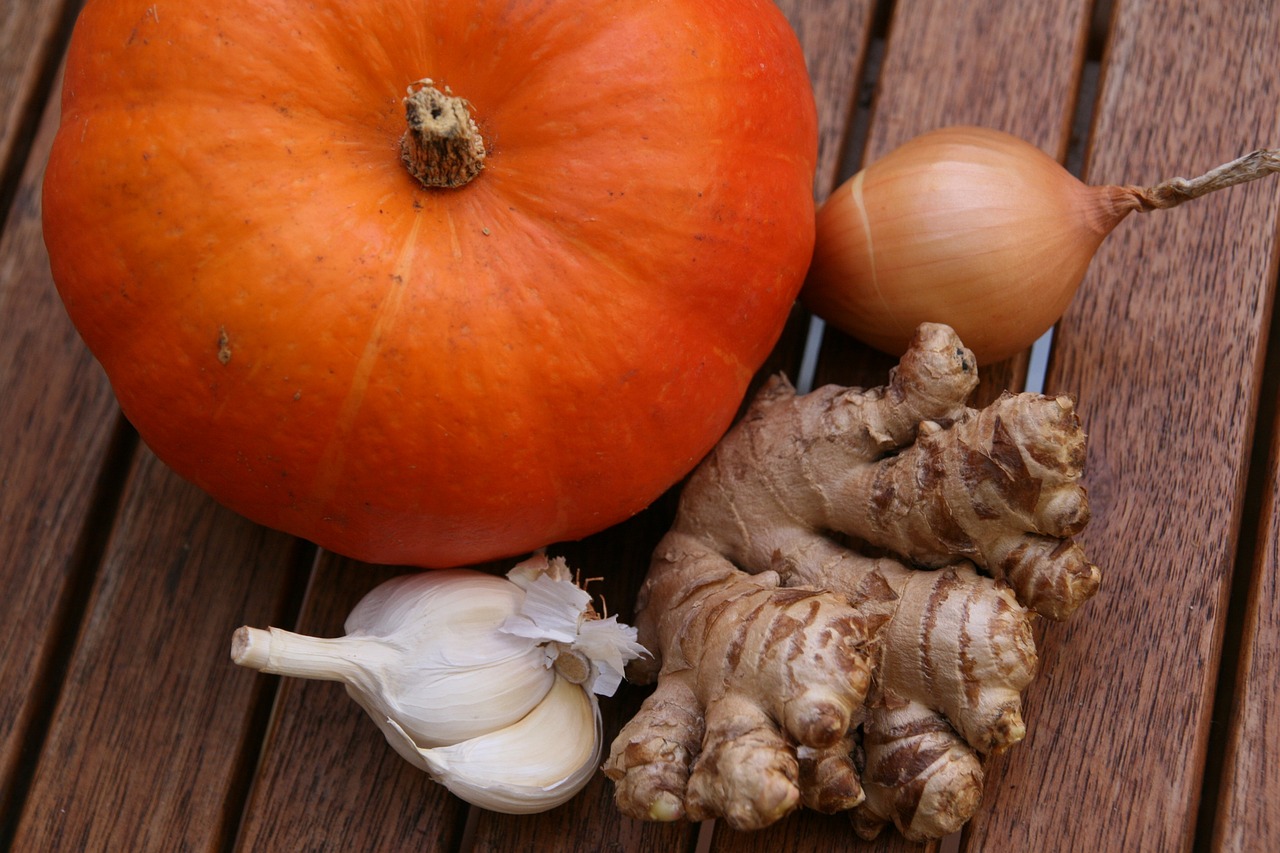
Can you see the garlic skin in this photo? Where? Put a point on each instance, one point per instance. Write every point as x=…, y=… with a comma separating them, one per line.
x=427, y=651
x=457, y=675
x=487, y=684
x=536, y=764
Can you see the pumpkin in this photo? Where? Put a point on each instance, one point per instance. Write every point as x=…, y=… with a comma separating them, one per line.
x=526, y=352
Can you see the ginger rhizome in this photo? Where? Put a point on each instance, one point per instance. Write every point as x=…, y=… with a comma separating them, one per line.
x=840, y=615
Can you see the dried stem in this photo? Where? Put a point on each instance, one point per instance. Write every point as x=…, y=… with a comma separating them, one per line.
x=443, y=146
x=1171, y=193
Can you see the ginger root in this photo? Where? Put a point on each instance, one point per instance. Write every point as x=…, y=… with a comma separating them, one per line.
x=840, y=614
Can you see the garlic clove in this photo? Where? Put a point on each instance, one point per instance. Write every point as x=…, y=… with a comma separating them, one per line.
x=530, y=766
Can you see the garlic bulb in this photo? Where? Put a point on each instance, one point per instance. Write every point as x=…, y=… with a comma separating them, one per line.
x=488, y=684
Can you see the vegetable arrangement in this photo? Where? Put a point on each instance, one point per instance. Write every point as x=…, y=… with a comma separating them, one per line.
x=839, y=617
x=978, y=229
x=455, y=291
x=445, y=374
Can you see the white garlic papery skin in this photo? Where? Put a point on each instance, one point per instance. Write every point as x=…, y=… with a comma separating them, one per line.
x=530, y=766
x=459, y=675
x=488, y=684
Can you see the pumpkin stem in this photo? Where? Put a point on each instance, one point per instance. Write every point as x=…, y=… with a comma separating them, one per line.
x=442, y=147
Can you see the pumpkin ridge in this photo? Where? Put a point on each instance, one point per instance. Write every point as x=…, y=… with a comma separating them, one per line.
x=332, y=464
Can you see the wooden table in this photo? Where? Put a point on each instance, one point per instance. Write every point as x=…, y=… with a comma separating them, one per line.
x=1153, y=724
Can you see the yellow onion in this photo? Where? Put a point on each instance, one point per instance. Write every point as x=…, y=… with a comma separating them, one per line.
x=977, y=229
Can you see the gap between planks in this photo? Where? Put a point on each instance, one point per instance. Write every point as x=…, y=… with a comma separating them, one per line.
x=1247, y=568
x=46, y=86
x=68, y=617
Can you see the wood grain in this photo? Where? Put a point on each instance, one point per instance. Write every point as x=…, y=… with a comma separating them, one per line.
x=1247, y=816
x=835, y=35
x=1163, y=347
x=1008, y=64
x=147, y=742
x=57, y=423
x=29, y=41
x=124, y=726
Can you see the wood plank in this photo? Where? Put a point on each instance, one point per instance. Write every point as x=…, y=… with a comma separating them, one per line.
x=56, y=429
x=1163, y=346
x=29, y=35
x=154, y=751
x=1007, y=64
x=949, y=64
x=1245, y=815
x=835, y=36
x=147, y=746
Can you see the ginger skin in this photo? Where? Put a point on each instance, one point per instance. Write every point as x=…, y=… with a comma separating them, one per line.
x=840, y=613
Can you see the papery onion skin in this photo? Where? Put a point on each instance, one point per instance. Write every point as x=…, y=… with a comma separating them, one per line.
x=966, y=226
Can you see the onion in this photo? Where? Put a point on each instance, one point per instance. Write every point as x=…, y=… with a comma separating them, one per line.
x=977, y=229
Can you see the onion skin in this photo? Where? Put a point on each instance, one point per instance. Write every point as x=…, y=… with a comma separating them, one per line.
x=966, y=226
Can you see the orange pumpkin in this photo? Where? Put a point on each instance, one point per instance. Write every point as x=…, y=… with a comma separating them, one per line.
x=410, y=374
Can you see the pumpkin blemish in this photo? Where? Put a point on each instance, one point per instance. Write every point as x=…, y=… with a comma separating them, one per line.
x=224, y=345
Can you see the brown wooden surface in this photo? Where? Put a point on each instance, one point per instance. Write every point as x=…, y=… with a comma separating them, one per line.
x=1152, y=726
x=30, y=46
x=1251, y=760
x=1164, y=347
